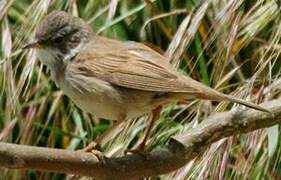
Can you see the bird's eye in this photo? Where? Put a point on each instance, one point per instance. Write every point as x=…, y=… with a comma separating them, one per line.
x=58, y=39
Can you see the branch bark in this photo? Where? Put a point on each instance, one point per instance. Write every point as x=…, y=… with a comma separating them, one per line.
x=181, y=149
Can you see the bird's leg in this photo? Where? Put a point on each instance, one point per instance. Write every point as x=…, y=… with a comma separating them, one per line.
x=105, y=134
x=93, y=147
x=155, y=117
x=140, y=149
x=101, y=137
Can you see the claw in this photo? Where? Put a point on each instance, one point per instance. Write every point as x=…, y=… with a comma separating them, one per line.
x=90, y=147
x=93, y=149
x=99, y=155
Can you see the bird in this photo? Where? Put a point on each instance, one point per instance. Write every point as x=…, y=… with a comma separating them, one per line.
x=113, y=79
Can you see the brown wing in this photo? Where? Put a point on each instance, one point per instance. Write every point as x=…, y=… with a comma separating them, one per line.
x=133, y=65
x=130, y=65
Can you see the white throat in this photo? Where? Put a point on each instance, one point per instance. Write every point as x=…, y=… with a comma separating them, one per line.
x=55, y=60
x=47, y=56
x=51, y=57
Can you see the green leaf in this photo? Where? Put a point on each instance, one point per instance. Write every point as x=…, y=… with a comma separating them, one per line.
x=202, y=62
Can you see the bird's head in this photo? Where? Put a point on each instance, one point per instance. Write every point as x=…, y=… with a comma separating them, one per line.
x=59, y=37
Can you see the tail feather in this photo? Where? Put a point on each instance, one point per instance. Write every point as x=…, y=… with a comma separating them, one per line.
x=246, y=103
x=204, y=92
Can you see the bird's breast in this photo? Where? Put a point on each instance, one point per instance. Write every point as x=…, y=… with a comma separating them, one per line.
x=103, y=102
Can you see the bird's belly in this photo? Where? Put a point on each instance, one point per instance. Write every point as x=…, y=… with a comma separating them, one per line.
x=103, y=104
x=100, y=108
x=142, y=102
x=130, y=105
x=114, y=102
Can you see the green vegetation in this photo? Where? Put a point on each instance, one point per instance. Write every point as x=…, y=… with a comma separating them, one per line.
x=233, y=46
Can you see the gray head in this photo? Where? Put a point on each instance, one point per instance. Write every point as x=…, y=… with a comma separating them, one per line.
x=59, y=37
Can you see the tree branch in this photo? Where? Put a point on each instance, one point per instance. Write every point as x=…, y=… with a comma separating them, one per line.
x=181, y=149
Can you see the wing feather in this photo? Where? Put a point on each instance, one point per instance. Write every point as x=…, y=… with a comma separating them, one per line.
x=130, y=65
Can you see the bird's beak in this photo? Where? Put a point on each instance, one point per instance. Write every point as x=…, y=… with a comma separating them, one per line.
x=33, y=44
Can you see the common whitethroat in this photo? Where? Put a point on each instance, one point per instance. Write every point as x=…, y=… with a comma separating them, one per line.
x=113, y=79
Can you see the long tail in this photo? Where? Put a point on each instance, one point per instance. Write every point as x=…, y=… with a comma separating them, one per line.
x=205, y=92
x=245, y=103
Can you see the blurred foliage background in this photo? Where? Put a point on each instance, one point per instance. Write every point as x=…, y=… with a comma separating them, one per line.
x=233, y=46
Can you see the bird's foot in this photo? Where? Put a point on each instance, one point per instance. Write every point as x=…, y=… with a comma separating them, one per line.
x=93, y=145
x=99, y=155
x=93, y=148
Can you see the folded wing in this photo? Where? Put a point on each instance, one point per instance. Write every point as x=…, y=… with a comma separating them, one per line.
x=131, y=65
